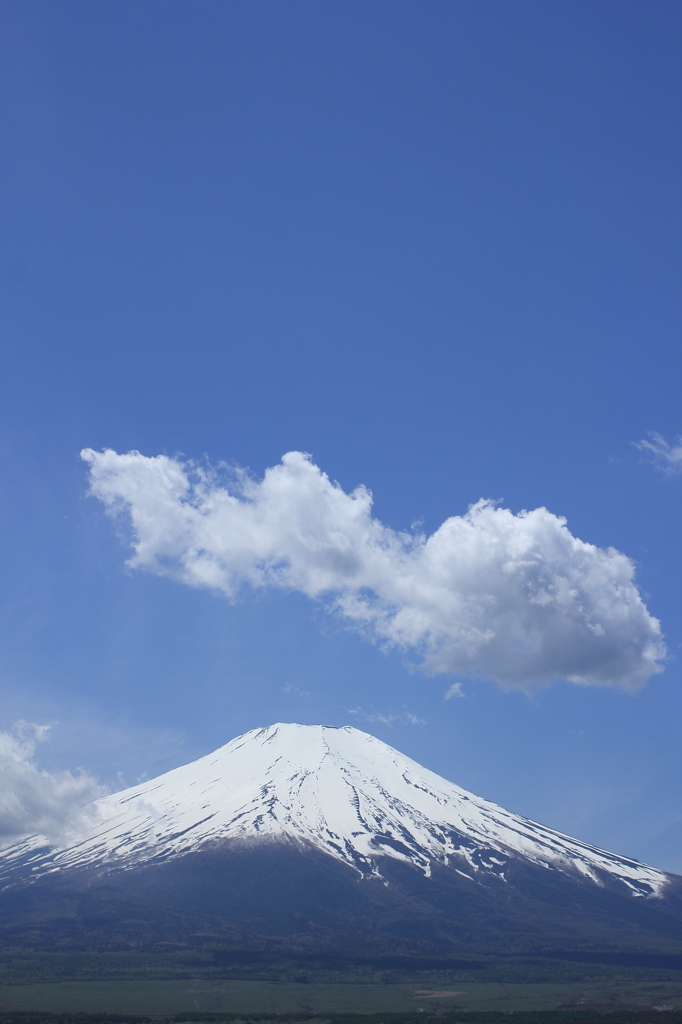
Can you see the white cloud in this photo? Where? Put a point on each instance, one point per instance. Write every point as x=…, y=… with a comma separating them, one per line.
x=668, y=457
x=454, y=691
x=385, y=717
x=513, y=598
x=38, y=802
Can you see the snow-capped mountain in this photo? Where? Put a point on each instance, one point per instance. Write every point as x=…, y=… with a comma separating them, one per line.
x=339, y=790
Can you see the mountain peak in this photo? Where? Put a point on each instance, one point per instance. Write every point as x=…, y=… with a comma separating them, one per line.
x=342, y=791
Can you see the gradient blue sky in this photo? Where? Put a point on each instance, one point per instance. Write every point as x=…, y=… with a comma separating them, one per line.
x=436, y=245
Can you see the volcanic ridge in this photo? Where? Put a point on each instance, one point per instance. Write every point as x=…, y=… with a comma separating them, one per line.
x=329, y=831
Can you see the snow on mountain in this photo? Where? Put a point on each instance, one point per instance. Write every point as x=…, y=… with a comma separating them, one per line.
x=345, y=792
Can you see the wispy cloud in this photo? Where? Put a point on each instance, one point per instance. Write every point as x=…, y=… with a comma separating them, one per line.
x=513, y=598
x=386, y=717
x=38, y=802
x=667, y=457
x=295, y=691
x=455, y=690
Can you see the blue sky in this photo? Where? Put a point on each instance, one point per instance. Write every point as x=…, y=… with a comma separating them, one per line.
x=436, y=246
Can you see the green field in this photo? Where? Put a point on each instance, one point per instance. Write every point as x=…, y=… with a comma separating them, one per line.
x=166, y=998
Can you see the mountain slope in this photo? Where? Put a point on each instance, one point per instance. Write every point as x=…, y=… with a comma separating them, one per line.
x=274, y=831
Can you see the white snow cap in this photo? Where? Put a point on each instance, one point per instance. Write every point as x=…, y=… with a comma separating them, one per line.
x=513, y=598
x=341, y=790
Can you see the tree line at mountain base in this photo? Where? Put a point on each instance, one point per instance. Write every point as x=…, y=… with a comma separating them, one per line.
x=643, y=1016
x=213, y=962
x=217, y=962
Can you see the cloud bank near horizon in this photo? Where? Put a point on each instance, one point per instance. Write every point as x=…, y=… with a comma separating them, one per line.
x=35, y=802
x=512, y=598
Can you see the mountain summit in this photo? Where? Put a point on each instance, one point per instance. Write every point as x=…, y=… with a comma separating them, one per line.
x=343, y=791
x=330, y=831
